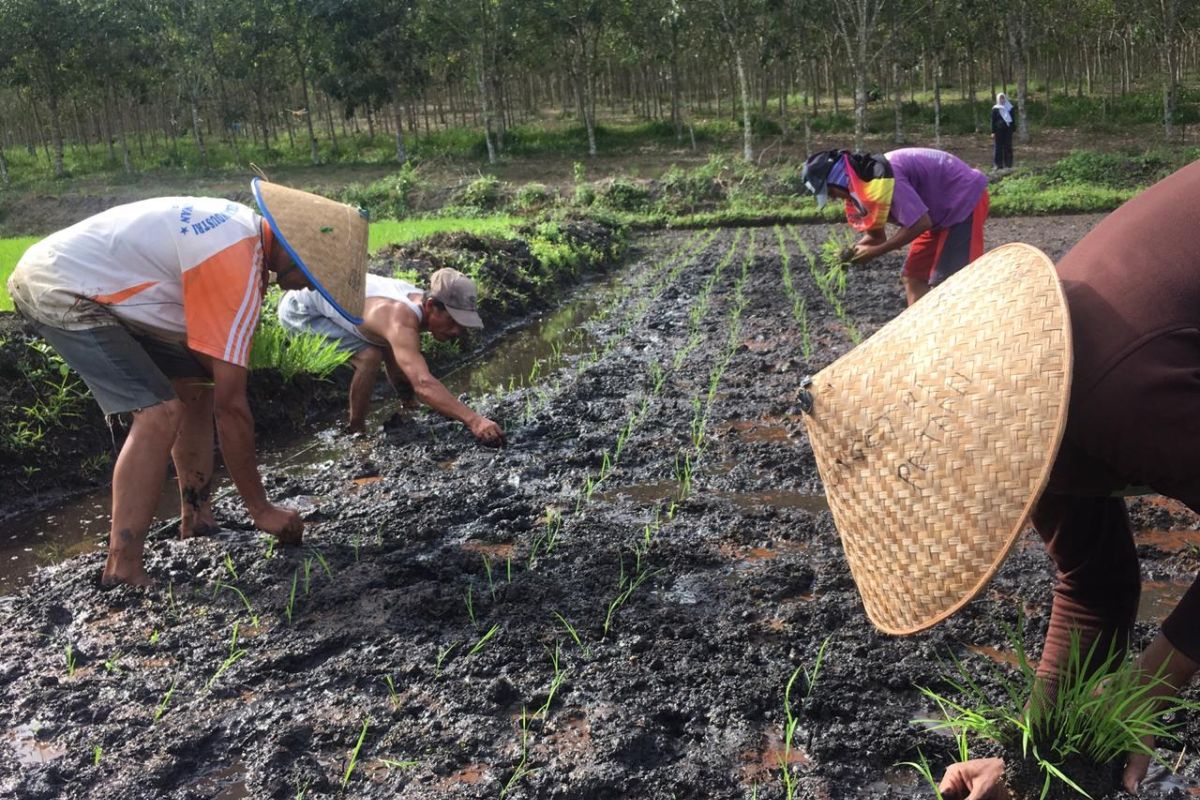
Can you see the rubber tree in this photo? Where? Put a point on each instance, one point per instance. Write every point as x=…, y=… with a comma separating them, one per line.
x=737, y=22
x=860, y=25
x=376, y=54
x=580, y=25
x=41, y=37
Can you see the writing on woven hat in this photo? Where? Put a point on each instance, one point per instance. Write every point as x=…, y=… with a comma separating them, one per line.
x=924, y=415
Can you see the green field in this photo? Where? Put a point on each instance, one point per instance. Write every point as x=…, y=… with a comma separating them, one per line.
x=382, y=234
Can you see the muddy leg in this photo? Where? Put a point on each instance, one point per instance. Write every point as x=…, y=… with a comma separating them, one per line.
x=138, y=475
x=366, y=369
x=193, y=455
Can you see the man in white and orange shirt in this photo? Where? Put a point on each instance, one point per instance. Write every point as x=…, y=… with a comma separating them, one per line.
x=154, y=304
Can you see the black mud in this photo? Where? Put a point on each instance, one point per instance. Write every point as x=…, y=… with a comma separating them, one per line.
x=439, y=579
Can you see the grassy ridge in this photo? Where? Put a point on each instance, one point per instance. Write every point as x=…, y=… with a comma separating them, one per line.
x=11, y=251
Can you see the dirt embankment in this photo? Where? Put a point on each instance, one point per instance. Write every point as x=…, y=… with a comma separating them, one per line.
x=610, y=607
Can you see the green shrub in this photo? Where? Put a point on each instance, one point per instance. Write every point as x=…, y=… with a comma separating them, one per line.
x=624, y=195
x=483, y=193
x=532, y=196
x=387, y=198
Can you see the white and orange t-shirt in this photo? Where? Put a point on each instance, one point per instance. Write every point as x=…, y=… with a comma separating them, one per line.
x=184, y=268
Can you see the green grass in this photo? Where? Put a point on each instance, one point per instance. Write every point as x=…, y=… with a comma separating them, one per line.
x=392, y=231
x=11, y=251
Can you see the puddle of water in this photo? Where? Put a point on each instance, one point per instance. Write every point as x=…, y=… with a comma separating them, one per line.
x=30, y=750
x=763, y=764
x=750, y=430
x=761, y=553
x=534, y=348
x=498, y=551
x=997, y=655
x=892, y=777
x=469, y=775
x=815, y=503
x=226, y=783
x=1170, y=541
x=642, y=493
x=1159, y=598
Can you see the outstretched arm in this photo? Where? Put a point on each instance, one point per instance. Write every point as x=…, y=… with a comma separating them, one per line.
x=405, y=343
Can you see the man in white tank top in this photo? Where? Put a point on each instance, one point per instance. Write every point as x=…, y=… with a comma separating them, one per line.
x=394, y=316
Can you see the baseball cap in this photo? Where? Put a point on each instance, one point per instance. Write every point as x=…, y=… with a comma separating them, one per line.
x=822, y=169
x=458, y=294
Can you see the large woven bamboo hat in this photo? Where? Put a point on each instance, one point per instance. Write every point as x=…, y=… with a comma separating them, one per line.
x=326, y=239
x=935, y=436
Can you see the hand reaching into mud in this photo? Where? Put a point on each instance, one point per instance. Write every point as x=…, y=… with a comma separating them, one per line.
x=487, y=431
x=977, y=779
x=285, y=523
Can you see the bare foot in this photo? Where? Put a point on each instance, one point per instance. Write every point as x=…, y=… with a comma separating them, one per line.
x=201, y=526
x=116, y=575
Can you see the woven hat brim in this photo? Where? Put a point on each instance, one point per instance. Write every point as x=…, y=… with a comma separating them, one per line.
x=326, y=239
x=935, y=437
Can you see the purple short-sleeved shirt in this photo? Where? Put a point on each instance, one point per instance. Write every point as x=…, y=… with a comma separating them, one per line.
x=934, y=182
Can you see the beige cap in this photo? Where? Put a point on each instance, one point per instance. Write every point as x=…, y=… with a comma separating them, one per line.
x=326, y=239
x=935, y=437
x=458, y=294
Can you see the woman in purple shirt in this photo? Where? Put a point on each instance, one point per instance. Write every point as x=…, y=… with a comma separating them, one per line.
x=939, y=203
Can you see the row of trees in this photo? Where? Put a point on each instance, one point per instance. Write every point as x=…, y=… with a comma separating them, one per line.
x=255, y=71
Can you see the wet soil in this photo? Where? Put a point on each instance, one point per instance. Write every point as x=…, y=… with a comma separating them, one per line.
x=610, y=607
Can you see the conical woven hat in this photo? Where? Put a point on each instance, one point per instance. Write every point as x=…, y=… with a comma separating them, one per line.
x=935, y=436
x=327, y=240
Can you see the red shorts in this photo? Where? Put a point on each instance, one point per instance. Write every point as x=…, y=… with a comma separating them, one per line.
x=938, y=253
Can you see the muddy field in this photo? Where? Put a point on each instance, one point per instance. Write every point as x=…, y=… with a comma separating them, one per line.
x=610, y=607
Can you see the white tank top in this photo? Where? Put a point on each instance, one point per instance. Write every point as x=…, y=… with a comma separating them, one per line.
x=377, y=286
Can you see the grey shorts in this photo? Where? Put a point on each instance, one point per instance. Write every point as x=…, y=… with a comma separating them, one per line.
x=295, y=317
x=125, y=371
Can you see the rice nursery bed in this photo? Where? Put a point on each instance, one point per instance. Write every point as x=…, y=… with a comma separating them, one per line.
x=610, y=607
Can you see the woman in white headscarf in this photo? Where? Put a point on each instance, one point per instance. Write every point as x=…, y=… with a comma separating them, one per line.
x=1002, y=131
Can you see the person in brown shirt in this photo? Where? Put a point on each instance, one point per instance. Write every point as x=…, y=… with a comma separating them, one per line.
x=1133, y=289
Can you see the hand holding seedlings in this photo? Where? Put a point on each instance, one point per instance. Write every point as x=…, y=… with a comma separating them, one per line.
x=977, y=779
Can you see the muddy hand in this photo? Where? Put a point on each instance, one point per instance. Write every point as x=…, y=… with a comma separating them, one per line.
x=863, y=253
x=487, y=432
x=285, y=523
x=977, y=779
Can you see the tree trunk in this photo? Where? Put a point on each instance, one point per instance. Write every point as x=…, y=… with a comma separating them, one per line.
x=4, y=176
x=126, y=162
x=194, y=101
x=937, y=102
x=398, y=114
x=744, y=90
x=1020, y=57
x=676, y=120
x=1170, y=16
x=56, y=134
x=481, y=81
x=314, y=152
x=898, y=102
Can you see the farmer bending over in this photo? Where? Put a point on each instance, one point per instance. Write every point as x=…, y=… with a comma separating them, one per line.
x=394, y=316
x=1134, y=298
x=938, y=201
x=154, y=304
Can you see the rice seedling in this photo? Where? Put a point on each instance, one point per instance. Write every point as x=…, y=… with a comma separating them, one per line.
x=362, y=736
x=291, y=603
x=553, y=529
x=154, y=635
x=221, y=585
x=442, y=655
x=235, y=655
x=394, y=764
x=522, y=769
x=471, y=605
x=1102, y=708
x=626, y=586
x=324, y=564
x=492, y=631
x=172, y=606
x=70, y=660
x=392, y=694
x=487, y=567
x=791, y=721
x=508, y=569
x=355, y=542
x=574, y=634
x=230, y=568
x=683, y=474
x=166, y=701
x=307, y=575
x=555, y=682
x=97, y=754
x=269, y=553
x=112, y=664
x=921, y=765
